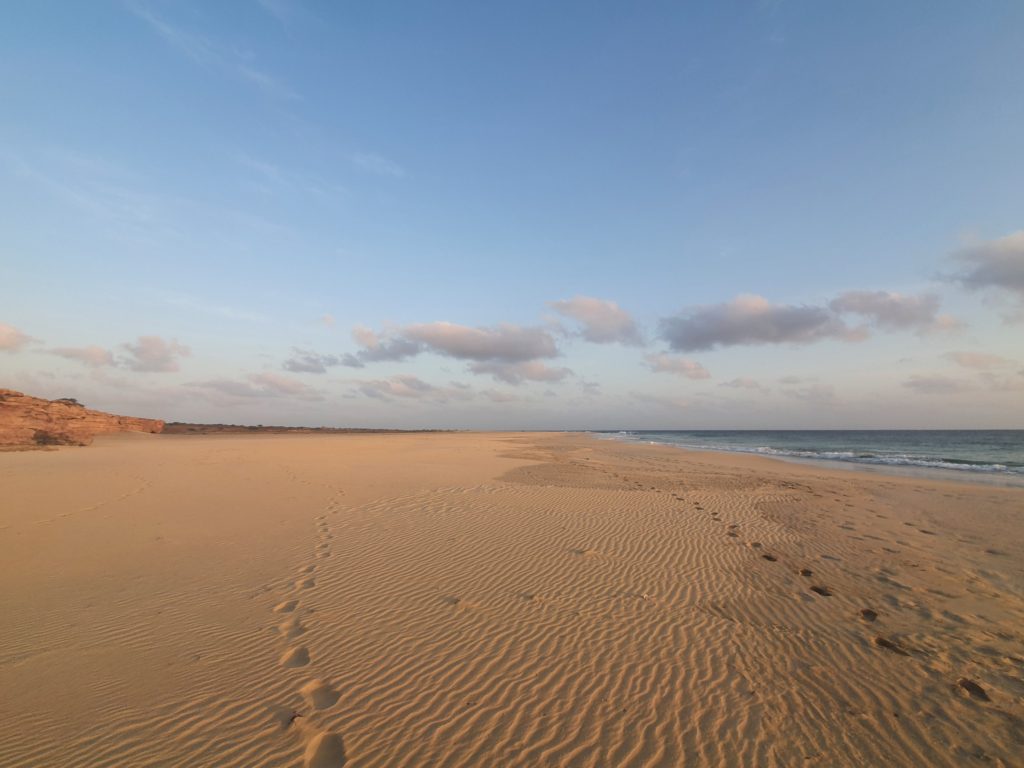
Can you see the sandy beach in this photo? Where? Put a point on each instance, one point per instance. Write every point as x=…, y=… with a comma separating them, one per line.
x=499, y=600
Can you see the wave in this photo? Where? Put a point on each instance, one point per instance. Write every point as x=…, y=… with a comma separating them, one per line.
x=856, y=457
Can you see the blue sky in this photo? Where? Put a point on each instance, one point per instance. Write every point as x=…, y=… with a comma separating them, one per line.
x=573, y=215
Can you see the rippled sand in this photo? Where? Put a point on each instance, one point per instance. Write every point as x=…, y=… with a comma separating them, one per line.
x=499, y=600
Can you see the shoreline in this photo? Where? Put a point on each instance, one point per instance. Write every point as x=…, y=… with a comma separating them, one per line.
x=941, y=474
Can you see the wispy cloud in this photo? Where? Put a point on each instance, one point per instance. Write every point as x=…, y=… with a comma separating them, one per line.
x=743, y=382
x=92, y=356
x=978, y=360
x=408, y=387
x=937, y=385
x=208, y=53
x=679, y=366
x=517, y=373
x=378, y=164
x=257, y=385
x=814, y=393
x=201, y=306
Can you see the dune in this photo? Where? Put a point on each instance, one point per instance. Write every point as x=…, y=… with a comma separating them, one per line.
x=499, y=600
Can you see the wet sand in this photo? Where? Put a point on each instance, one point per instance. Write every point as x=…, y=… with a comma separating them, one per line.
x=499, y=599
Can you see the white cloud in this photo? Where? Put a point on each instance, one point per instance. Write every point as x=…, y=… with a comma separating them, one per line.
x=12, y=339
x=604, y=322
x=679, y=366
x=210, y=54
x=152, y=354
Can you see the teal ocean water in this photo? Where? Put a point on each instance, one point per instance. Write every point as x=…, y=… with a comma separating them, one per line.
x=993, y=453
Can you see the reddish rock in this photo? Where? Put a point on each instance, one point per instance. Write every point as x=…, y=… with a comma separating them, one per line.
x=28, y=420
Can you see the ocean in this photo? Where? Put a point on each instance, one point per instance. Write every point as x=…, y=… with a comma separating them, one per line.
x=996, y=454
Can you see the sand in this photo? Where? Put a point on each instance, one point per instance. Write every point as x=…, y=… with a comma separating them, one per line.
x=499, y=600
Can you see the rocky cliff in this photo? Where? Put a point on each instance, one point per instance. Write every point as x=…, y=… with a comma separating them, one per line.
x=28, y=420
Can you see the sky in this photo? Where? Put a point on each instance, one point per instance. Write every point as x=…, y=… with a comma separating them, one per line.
x=579, y=215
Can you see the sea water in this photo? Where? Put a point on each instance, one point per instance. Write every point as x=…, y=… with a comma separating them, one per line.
x=995, y=454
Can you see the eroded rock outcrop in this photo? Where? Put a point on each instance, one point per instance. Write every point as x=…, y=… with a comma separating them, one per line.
x=26, y=420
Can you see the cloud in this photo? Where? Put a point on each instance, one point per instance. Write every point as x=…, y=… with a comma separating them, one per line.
x=678, y=366
x=604, y=322
x=304, y=361
x=977, y=360
x=937, y=385
x=258, y=385
x=815, y=393
x=378, y=349
x=410, y=387
x=994, y=264
x=92, y=356
x=326, y=320
x=374, y=163
x=749, y=319
x=1013, y=382
x=672, y=403
x=496, y=396
x=503, y=343
x=152, y=354
x=12, y=339
x=743, y=382
x=894, y=311
x=517, y=373
x=210, y=54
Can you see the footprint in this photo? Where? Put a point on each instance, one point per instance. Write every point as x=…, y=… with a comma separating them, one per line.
x=867, y=614
x=286, y=607
x=975, y=690
x=889, y=645
x=309, y=569
x=319, y=694
x=325, y=750
x=806, y=572
x=295, y=657
x=770, y=558
x=291, y=628
x=305, y=583
x=823, y=591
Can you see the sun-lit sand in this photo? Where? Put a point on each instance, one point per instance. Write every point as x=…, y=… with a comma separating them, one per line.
x=499, y=600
